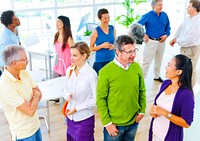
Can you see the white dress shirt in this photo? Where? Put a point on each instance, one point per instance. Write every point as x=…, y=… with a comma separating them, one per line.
x=188, y=34
x=82, y=89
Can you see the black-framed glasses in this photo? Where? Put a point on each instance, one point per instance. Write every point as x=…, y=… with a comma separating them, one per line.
x=130, y=52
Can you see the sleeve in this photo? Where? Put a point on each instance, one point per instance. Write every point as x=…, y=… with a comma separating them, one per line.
x=66, y=92
x=142, y=92
x=91, y=102
x=143, y=20
x=102, y=95
x=187, y=107
x=168, y=28
x=33, y=84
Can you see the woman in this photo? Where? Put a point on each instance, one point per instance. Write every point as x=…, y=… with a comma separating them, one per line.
x=63, y=40
x=81, y=95
x=103, y=36
x=173, y=107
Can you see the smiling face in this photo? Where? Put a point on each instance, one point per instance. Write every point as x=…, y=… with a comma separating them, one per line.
x=171, y=70
x=158, y=7
x=127, y=55
x=59, y=24
x=105, y=18
x=76, y=57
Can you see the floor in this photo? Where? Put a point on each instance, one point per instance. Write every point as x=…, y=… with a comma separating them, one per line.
x=58, y=128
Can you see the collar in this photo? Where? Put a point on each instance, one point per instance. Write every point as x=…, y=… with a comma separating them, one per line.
x=120, y=65
x=9, y=75
x=84, y=69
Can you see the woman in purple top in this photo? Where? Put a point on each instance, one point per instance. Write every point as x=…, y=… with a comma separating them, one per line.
x=173, y=106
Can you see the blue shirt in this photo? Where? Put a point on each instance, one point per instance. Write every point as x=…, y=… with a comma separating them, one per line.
x=7, y=37
x=156, y=26
x=105, y=54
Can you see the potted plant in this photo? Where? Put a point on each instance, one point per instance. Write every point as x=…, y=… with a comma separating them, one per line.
x=131, y=15
x=87, y=33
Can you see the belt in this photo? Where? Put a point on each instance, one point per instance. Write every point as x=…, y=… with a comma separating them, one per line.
x=155, y=39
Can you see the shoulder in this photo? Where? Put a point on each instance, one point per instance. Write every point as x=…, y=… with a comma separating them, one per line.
x=107, y=67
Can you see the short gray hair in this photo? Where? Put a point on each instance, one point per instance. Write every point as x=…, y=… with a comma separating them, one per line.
x=137, y=32
x=12, y=53
x=123, y=40
x=153, y=3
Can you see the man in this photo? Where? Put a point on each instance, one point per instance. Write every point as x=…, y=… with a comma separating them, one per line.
x=8, y=35
x=19, y=96
x=121, y=99
x=157, y=27
x=188, y=35
x=137, y=32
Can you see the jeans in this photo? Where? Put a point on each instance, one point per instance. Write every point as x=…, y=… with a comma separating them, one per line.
x=126, y=133
x=35, y=137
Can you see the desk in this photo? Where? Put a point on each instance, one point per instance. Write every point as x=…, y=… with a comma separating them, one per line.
x=51, y=89
x=42, y=49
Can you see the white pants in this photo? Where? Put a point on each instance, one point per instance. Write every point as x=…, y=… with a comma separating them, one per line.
x=153, y=50
x=193, y=53
x=139, y=55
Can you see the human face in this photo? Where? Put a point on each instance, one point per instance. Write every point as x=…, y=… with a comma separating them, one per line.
x=105, y=18
x=59, y=24
x=158, y=7
x=15, y=21
x=127, y=55
x=171, y=71
x=22, y=63
x=77, y=58
x=190, y=9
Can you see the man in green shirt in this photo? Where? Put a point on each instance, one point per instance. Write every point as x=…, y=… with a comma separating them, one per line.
x=121, y=99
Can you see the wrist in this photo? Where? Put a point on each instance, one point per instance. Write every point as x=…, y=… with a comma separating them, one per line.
x=169, y=116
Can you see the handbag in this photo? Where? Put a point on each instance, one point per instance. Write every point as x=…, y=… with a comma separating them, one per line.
x=64, y=108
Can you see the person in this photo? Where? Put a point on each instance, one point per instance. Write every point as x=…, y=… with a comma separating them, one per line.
x=157, y=27
x=103, y=37
x=8, y=36
x=173, y=107
x=19, y=96
x=187, y=36
x=81, y=95
x=63, y=40
x=137, y=32
x=121, y=104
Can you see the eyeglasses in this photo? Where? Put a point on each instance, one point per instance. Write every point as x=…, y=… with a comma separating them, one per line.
x=23, y=60
x=130, y=52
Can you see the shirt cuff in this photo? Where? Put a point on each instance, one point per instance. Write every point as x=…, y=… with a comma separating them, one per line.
x=107, y=124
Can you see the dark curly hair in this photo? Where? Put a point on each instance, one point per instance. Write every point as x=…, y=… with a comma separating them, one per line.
x=6, y=17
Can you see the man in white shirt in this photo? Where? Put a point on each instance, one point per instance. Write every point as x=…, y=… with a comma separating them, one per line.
x=188, y=35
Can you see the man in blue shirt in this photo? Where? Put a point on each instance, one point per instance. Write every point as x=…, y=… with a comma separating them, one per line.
x=8, y=35
x=157, y=27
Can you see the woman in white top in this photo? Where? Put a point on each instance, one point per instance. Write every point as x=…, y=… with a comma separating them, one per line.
x=81, y=94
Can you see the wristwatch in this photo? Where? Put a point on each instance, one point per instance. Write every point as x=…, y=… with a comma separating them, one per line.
x=169, y=115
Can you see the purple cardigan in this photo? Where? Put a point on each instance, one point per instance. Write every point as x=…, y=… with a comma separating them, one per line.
x=183, y=106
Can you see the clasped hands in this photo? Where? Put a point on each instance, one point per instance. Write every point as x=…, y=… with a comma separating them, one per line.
x=156, y=111
x=107, y=45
